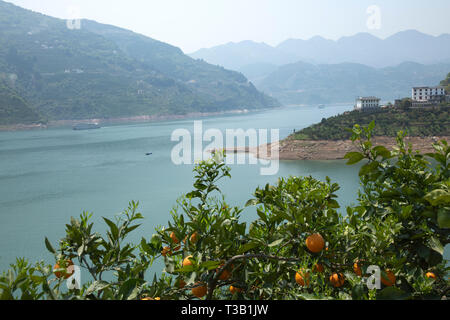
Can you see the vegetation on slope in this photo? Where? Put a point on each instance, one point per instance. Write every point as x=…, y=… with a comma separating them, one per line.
x=417, y=122
x=446, y=83
x=102, y=71
x=301, y=247
x=14, y=109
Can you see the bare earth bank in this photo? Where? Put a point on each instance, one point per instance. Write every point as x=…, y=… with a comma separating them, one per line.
x=329, y=150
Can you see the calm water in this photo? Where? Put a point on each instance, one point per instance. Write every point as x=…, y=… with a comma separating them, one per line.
x=50, y=175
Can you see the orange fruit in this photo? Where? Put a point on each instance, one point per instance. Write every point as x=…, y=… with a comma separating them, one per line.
x=181, y=284
x=199, y=290
x=187, y=261
x=174, y=238
x=166, y=251
x=315, y=243
x=194, y=237
x=149, y=298
x=357, y=268
x=390, y=281
x=225, y=275
x=301, y=277
x=430, y=275
x=318, y=268
x=63, y=273
x=235, y=290
x=337, y=280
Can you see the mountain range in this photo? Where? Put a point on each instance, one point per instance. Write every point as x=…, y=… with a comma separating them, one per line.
x=305, y=83
x=102, y=71
x=362, y=48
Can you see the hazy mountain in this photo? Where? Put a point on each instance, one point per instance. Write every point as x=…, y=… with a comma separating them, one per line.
x=104, y=71
x=362, y=48
x=237, y=55
x=303, y=83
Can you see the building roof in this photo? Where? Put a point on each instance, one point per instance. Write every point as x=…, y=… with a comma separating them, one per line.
x=368, y=98
x=435, y=87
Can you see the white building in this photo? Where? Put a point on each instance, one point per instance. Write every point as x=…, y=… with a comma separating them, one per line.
x=423, y=94
x=365, y=103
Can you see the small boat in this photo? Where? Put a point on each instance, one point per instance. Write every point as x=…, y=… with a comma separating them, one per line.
x=86, y=126
x=149, y=153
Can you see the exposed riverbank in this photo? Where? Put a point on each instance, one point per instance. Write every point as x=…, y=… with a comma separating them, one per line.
x=290, y=149
x=136, y=119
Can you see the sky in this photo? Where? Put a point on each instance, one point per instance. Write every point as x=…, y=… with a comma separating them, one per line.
x=196, y=24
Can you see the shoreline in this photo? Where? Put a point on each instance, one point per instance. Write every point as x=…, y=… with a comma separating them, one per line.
x=123, y=120
x=328, y=149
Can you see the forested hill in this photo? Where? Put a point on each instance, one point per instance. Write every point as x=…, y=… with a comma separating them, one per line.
x=417, y=122
x=14, y=108
x=101, y=71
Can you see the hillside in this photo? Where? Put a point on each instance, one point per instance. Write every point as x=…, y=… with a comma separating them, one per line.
x=446, y=83
x=14, y=109
x=101, y=71
x=416, y=122
x=304, y=83
x=362, y=48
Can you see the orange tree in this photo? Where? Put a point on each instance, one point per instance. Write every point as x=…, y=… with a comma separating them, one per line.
x=300, y=247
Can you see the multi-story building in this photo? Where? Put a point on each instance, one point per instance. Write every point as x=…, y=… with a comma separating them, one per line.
x=367, y=103
x=428, y=94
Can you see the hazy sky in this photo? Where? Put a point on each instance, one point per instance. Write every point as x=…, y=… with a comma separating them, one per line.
x=195, y=24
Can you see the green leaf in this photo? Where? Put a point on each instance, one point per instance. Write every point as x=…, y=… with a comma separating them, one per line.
x=248, y=246
x=444, y=218
x=49, y=246
x=381, y=151
x=438, y=197
x=436, y=245
x=276, y=243
x=113, y=227
x=354, y=157
x=97, y=286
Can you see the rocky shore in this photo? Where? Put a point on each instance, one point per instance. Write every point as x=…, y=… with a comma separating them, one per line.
x=327, y=149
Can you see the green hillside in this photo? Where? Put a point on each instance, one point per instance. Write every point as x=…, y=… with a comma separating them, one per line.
x=417, y=122
x=14, y=109
x=304, y=83
x=446, y=83
x=102, y=71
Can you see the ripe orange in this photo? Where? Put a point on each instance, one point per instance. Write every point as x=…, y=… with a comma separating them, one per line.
x=430, y=275
x=226, y=274
x=194, y=237
x=235, y=290
x=199, y=290
x=187, y=261
x=166, y=251
x=357, y=268
x=318, y=268
x=174, y=238
x=301, y=277
x=149, y=298
x=315, y=243
x=181, y=284
x=391, y=278
x=337, y=280
x=63, y=273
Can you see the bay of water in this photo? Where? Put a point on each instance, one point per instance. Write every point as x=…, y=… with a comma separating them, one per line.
x=50, y=175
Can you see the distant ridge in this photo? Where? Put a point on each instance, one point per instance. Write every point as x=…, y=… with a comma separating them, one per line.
x=363, y=48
